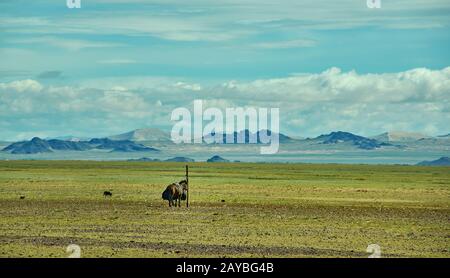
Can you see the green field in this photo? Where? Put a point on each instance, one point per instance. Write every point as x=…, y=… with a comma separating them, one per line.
x=237, y=210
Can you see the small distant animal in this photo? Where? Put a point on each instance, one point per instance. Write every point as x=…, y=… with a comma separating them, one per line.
x=22, y=197
x=107, y=194
x=175, y=192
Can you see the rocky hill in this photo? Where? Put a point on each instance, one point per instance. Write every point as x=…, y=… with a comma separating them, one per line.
x=38, y=145
x=360, y=142
x=144, y=134
x=443, y=161
x=217, y=158
x=246, y=135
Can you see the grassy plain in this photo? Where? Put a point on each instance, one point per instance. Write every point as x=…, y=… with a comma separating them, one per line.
x=237, y=210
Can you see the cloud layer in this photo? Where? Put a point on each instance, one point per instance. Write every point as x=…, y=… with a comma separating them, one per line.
x=221, y=20
x=219, y=40
x=310, y=104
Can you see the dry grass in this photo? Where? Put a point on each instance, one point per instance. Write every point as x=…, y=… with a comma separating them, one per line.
x=272, y=210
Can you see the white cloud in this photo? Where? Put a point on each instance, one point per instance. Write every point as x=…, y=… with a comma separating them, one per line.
x=340, y=87
x=22, y=86
x=230, y=19
x=415, y=100
x=192, y=87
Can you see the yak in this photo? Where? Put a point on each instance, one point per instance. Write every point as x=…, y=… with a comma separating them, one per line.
x=175, y=192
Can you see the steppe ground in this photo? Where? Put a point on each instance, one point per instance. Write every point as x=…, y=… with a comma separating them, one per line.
x=236, y=210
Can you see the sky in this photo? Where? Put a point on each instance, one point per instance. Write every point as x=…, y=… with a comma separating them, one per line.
x=115, y=65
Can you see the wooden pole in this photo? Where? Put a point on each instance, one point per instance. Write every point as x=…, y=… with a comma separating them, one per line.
x=187, y=186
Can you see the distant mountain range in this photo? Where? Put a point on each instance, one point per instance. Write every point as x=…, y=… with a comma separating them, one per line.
x=217, y=158
x=399, y=136
x=443, y=161
x=144, y=134
x=38, y=145
x=157, y=135
x=69, y=138
x=246, y=136
x=214, y=158
x=35, y=145
x=350, y=138
x=180, y=159
x=119, y=145
x=134, y=141
x=174, y=159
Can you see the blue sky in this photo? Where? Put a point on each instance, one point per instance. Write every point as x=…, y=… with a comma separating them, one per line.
x=116, y=65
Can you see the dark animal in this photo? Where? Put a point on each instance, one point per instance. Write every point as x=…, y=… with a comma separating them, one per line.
x=175, y=192
x=107, y=194
x=22, y=197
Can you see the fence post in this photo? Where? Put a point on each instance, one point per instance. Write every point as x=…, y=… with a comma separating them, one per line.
x=187, y=185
